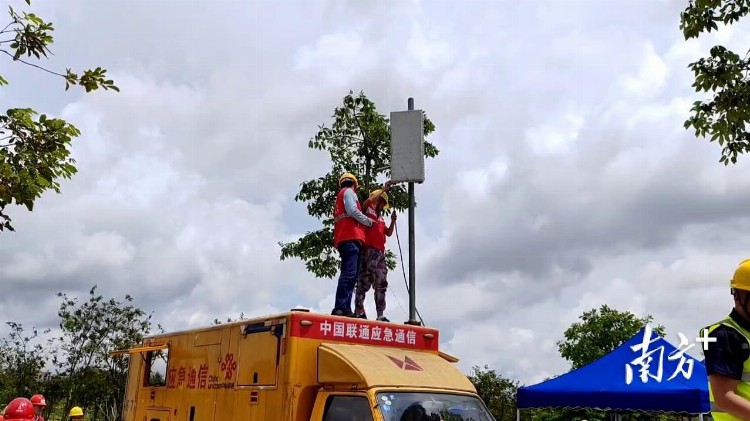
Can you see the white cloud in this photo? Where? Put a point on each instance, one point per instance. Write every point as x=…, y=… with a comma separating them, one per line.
x=651, y=75
x=430, y=48
x=339, y=50
x=557, y=137
x=565, y=179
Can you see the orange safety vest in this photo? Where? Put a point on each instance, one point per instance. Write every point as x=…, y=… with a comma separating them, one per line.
x=375, y=235
x=345, y=227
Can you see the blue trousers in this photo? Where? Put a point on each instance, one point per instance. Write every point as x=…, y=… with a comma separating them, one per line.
x=350, y=255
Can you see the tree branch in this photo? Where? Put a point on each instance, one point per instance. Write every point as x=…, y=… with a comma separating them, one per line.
x=343, y=136
x=32, y=64
x=368, y=158
x=8, y=26
x=353, y=140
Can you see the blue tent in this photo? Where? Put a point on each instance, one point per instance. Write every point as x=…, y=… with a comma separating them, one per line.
x=603, y=384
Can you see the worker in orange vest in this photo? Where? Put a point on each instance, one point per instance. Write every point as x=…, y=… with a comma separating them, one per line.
x=373, y=270
x=349, y=225
x=39, y=403
x=19, y=409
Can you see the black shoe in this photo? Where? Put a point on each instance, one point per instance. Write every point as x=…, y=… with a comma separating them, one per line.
x=362, y=316
x=343, y=313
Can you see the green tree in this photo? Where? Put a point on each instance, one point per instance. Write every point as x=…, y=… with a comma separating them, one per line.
x=599, y=332
x=497, y=392
x=723, y=73
x=358, y=141
x=94, y=379
x=34, y=152
x=23, y=357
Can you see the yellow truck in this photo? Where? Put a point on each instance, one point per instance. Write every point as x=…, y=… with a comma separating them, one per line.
x=298, y=366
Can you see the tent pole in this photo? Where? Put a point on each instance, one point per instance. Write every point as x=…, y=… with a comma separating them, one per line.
x=700, y=417
x=518, y=415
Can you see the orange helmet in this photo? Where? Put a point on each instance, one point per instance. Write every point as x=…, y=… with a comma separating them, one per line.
x=349, y=176
x=19, y=409
x=38, y=400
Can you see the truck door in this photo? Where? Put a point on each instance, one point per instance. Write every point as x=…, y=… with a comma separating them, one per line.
x=332, y=406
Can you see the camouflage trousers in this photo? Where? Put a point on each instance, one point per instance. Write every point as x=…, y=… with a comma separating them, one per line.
x=372, y=273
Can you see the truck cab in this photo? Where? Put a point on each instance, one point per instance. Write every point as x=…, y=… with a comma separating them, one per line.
x=398, y=405
x=371, y=384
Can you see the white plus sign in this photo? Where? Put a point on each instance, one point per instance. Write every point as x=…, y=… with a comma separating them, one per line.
x=705, y=339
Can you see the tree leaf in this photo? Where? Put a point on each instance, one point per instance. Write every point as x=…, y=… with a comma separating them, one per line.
x=35, y=154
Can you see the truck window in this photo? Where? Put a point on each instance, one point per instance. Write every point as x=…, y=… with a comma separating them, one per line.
x=347, y=408
x=156, y=368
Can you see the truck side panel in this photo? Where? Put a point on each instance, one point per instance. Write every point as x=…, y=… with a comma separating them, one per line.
x=224, y=379
x=261, y=349
x=132, y=386
x=229, y=372
x=303, y=378
x=195, y=397
x=206, y=347
x=258, y=348
x=185, y=387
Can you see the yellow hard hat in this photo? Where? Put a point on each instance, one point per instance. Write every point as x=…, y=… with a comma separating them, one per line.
x=76, y=411
x=381, y=193
x=741, y=278
x=349, y=176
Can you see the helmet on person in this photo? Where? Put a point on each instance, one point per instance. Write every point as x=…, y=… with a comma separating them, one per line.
x=76, y=411
x=741, y=278
x=383, y=195
x=349, y=176
x=19, y=409
x=38, y=400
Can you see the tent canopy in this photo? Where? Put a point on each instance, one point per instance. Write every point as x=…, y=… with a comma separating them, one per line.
x=603, y=384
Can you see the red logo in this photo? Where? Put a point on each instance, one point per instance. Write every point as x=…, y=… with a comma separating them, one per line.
x=228, y=366
x=406, y=364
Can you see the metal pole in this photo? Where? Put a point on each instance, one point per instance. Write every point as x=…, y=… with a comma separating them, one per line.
x=412, y=260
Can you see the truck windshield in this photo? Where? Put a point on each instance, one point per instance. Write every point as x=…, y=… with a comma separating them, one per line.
x=410, y=406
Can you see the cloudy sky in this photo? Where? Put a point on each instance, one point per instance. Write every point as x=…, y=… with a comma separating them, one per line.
x=565, y=179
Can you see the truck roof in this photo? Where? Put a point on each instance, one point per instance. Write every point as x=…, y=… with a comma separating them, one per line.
x=222, y=325
x=329, y=328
